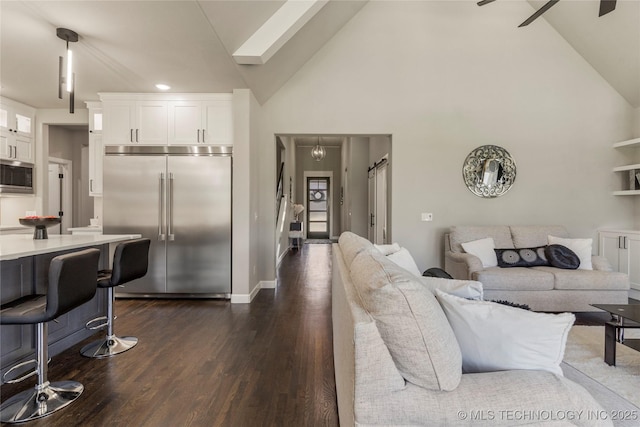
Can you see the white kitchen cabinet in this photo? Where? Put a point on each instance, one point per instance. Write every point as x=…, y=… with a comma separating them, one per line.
x=185, y=122
x=219, y=121
x=167, y=119
x=15, y=148
x=201, y=121
x=622, y=249
x=16, y=131
x=96, y=154
x=95, y=119
x=96, y=148
x=135, y=122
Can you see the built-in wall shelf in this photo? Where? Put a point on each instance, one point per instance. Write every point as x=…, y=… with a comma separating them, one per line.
x=629, y=182
x=626, y=168
x=627, y=193
x=630, y=143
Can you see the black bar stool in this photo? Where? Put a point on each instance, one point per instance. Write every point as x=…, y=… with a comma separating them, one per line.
x=72, y=282
x=130, y=262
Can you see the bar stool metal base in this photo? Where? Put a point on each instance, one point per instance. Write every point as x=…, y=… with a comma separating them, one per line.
x=37, y=403
x=109, y=346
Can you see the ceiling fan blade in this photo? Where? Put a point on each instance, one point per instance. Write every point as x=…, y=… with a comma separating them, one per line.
x=539, y=12
x=483, y=2
x=607, y=6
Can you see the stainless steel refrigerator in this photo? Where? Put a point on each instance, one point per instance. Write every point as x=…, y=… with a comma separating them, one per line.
x=180, y=198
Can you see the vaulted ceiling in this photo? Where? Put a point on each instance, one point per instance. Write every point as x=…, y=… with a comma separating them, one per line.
x=129, y=46
x=611, y=43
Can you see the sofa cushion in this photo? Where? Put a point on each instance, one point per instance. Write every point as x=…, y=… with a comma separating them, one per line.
x=515, y=279
x=461, y=233
x=587, y=279
x=490, y=399
x=530, y=236
x=351, y=245
x=495, y=337
x=410, y=320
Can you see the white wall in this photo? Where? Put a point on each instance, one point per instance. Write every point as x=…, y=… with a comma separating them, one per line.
x=244, y=263
x=442, y=78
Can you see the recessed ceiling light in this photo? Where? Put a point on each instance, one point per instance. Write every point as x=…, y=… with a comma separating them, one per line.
x=163, y=86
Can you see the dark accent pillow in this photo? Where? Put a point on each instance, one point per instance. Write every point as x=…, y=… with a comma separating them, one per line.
x=524, y=257
x=562, y=257
x=511, y=304
x=437, y=272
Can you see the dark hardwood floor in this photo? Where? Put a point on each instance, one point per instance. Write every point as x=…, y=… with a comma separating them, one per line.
x=211, y=363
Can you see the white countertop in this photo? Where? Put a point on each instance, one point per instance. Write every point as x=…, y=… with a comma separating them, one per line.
x=86, y=227
x=13, y=246
x=13, y=227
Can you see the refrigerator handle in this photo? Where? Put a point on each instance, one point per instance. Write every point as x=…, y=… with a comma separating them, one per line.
x=161, y=235
x=170, y=235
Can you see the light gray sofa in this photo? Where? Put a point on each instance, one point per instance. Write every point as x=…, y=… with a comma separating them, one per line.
x=373, y=388
x=543, y=288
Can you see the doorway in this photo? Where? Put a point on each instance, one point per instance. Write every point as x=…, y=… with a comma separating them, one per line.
x=59, y=202
x=378, y=202
x=318, y=212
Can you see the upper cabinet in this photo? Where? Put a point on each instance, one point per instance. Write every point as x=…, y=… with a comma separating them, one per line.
x=95, y=117
x=135, y=122
x=629, y=174
x=167, y=119
x=17, y=126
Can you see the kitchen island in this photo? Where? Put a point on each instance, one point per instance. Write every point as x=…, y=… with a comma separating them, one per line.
x=24, y=268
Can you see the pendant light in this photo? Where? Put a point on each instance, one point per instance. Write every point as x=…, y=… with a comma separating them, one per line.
x=318, y=152
x=66, y=77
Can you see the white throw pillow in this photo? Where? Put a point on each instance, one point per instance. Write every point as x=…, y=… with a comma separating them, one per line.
x=483, y=249
x=496, y=337
x=388, y=249
x=581, y=247
x=404, y=259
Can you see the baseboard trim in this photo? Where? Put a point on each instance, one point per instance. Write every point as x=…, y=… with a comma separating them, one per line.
x=247, y=298
x=267, y=284
x=634, y=293
x=281, y=257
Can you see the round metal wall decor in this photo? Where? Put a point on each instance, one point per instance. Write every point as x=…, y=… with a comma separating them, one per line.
x=489, y=171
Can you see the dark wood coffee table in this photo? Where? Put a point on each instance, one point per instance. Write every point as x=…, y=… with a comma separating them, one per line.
x=625, y=316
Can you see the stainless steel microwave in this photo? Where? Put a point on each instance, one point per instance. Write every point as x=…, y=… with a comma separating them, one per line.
x=16, y=177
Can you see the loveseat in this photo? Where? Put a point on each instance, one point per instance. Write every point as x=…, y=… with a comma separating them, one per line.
x=543, y=288
x=422, y=383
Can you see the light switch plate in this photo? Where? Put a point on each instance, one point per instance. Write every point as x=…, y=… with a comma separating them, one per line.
x=427, y=216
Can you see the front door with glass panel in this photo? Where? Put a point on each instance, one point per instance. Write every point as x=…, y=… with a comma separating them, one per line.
x=318, y=208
